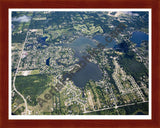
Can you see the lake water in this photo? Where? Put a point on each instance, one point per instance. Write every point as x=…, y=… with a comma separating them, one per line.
x=101, y=39
x=47, y=61
x=138, y=37
x=42, y=39
x=80, y=45
x=90, y=72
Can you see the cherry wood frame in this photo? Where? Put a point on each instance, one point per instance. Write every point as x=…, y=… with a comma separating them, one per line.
x=4, y=39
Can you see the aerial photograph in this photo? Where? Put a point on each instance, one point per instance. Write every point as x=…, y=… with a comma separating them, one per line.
x=79, y=62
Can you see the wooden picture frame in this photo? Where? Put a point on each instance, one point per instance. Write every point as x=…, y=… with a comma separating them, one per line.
x=154, y=5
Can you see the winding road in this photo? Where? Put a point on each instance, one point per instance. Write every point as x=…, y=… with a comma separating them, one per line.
x=14, y=79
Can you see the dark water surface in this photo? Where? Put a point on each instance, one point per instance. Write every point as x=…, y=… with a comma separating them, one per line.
x=90, y=72
x=47, y=61
x=138, y=37
x=101, y=39
x=80, y=45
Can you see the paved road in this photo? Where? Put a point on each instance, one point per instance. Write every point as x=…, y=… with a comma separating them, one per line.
x=14, y=79
x=115, y=106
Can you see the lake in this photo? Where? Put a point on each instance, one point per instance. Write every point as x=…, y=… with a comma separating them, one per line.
x=47, y=61
x=137, y=37
x=42, y=39
x=90, y=72
x=80, y=45
x=101, y=39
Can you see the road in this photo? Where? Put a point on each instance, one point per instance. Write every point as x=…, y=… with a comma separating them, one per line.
x=14, y=79
x=115, y=106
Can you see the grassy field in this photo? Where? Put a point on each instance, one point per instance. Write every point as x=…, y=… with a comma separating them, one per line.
x=32, y=85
